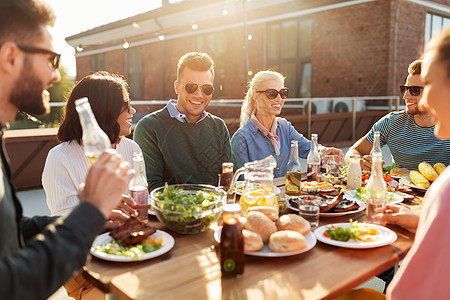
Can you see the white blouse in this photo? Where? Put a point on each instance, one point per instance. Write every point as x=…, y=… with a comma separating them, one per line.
x=66, y=167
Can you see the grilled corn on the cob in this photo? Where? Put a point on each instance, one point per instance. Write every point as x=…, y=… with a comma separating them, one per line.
x=427, y=171
x=439, y=167
x=418, y=179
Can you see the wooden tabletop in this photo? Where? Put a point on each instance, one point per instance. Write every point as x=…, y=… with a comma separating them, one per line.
x=192, y=269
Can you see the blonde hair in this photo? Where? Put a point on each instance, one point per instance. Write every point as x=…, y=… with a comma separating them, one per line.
x=249, y=104
x=441, y=46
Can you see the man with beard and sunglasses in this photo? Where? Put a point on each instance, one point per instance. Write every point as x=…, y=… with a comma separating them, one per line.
x=408, y=133
x=38, y=255
x=182, y=143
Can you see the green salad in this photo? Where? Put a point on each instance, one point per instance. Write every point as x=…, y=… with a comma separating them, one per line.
x=361, y=194
x=389, y=168
x=186, y=211
x=136, y=252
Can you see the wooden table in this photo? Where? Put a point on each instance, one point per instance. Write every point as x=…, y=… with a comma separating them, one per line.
x=192, y=269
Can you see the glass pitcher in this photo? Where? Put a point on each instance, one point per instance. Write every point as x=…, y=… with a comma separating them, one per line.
x=258, y=184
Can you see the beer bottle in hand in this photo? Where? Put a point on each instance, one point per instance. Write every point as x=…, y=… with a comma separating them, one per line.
x=94, y=138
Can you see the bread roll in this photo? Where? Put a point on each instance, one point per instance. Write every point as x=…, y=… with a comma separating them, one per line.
x=400, y=172
x=252, y=241
x=294, y=223
x=259, y=223
x=287, y=241
x=268, y=211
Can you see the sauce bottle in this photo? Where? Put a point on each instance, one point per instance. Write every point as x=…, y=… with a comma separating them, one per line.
x=293, y=172
x=354, y=177
x=227, y=175
x=232, y=257
x=313, y=160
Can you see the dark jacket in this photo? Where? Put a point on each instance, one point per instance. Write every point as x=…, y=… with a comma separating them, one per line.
x=38, y=255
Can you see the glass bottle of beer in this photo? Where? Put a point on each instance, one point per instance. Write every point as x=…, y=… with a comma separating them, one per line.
x=376, y=148
x=232, y=257
x=313, y=160
x=138, y=188
x=293, y=172
x=94, y=138
x=375, y=191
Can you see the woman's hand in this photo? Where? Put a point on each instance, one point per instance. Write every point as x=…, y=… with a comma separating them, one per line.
x=323, y=151
x=399, y=215
x=128, y=206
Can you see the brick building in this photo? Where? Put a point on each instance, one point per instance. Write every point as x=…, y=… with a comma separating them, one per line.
x=325, y=48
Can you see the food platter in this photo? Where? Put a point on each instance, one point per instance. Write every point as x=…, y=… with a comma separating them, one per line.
x=266, y=252
x=362, y=206
x=385, y=237
x=396, y=198
x=407, y=182
x=103, y=239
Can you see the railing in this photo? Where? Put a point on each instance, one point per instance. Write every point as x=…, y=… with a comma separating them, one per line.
x=306, y=104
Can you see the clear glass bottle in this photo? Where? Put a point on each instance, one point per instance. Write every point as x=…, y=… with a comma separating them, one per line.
x=94, y=138
x=293, y=172
x=375, y=191
x=376, y=148
x=232, y=257
x=138, y=188
x=354, y=177
x=313, y=160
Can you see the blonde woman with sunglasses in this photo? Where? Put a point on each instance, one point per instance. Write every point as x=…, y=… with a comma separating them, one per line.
x=262, y=133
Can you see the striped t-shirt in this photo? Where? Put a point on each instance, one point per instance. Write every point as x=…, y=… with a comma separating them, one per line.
x=409, y=143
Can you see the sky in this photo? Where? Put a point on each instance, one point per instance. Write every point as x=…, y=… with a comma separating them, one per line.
x=75, y=16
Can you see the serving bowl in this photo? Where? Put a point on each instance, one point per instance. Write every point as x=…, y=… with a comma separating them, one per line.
x=187, y=208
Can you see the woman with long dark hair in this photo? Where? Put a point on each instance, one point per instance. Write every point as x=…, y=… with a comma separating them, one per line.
x=66, y=165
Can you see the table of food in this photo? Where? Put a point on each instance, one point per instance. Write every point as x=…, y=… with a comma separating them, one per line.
x=285, y=254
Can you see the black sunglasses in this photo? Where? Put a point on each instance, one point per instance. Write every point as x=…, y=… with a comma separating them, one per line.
x=54, y=58
x=273, y=93
x=413, y=90
x=191, y=87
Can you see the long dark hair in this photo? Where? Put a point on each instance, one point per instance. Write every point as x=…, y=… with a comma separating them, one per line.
x=107, y=94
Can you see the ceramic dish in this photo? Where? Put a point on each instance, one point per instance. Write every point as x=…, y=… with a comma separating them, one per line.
x=266, y=252
x=385, y=237
x=103, y=239
x=362, y=206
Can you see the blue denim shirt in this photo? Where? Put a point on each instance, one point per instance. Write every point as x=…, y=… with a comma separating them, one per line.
x=249, y=143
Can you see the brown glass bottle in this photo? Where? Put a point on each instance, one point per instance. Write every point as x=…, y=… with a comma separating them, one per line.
x=227, y=175
x=232, y=257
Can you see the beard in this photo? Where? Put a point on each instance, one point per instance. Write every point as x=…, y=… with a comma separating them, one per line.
x=28, y=96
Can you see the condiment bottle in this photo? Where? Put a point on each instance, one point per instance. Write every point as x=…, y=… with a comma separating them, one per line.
x=375, y=191
x=293, y=172
x=376, y=148
x=138, y=188
x=354, y=177
x=232, y=257
x=227, y=175
x=313, y=160
x=94, y=138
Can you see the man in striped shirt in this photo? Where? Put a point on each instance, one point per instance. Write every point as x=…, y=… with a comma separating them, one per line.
x=408, y=133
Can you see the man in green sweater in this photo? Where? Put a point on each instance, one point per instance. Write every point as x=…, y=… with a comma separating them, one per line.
x=182, y=143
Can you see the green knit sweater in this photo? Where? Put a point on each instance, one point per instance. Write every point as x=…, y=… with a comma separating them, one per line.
x=176, y=152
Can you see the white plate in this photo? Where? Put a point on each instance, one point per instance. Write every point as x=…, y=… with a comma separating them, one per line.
x=150, y=211
x=103, y=239
x=399, y=177
x=275, y=188
x=396, y=198
x=385, y=237
x=362, y=206
x=266, y=252
x=407, y=182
